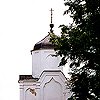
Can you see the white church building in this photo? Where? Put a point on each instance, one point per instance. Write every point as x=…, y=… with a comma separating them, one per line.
x=47, y=81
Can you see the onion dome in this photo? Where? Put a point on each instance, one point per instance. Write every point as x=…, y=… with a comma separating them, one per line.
x=44, y=44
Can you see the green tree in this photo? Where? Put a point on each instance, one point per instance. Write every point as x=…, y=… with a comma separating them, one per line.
x=80, y=42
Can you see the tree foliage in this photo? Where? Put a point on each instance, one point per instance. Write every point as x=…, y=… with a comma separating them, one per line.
x=80, y=42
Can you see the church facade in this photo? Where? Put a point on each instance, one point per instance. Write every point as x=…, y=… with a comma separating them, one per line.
x=47, y=81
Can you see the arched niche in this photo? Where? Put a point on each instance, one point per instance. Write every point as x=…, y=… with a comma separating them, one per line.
x=52, y=90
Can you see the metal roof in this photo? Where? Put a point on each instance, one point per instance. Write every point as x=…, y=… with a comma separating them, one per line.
x=44, y=44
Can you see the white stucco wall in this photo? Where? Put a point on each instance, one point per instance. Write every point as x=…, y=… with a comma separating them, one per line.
x=43, y=60
x=51, y=86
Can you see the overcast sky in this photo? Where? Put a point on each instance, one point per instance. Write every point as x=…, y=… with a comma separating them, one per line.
x=22, y=24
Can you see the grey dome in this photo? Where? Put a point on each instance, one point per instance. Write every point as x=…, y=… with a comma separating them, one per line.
x=44, y=44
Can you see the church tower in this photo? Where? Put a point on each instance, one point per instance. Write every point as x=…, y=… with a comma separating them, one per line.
x=42, y=56
x=47, y=81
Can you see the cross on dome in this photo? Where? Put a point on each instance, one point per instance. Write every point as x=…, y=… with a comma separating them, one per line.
x=51, y=14
x=51, y=25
